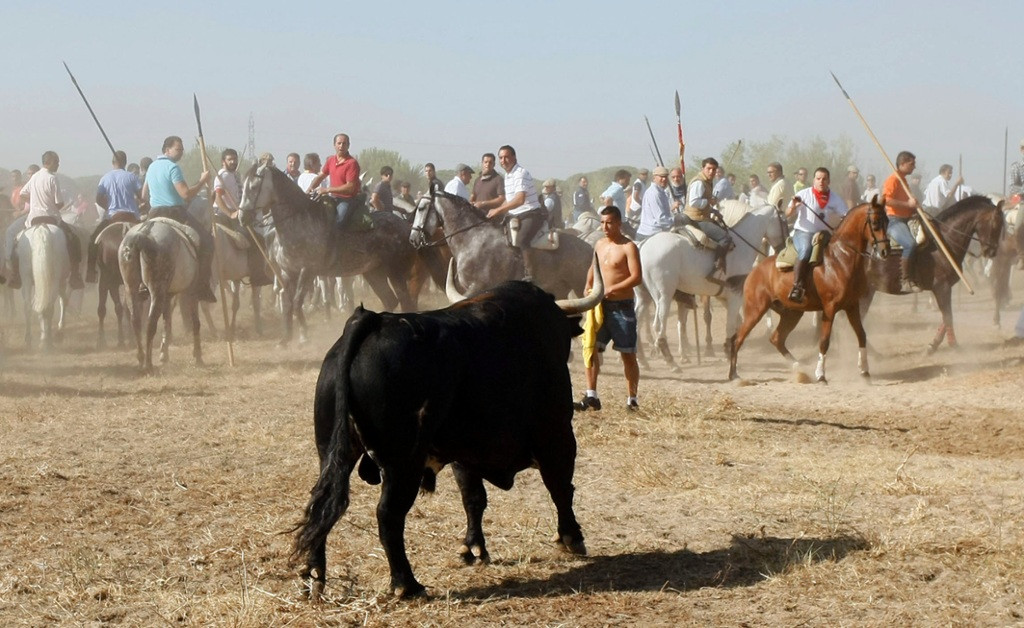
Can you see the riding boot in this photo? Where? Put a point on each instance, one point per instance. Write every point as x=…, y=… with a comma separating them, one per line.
x=14, y=281
x=717, y=274
x=201, y=285
x=796, y=295
x=527, y=266
x=906, y=283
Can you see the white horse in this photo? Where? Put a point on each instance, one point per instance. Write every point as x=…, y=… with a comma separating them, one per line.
x=673, y=263
x=45, y=271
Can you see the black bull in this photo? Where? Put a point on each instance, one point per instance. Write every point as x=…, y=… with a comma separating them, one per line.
x=482, y=385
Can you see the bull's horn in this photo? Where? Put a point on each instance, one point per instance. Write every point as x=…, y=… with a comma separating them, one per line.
x=589, y=302
x=449, y=284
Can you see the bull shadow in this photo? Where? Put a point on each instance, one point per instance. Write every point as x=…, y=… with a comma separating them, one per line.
x=745, y=562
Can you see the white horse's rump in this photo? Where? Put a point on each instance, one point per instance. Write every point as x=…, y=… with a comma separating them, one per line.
x=673, y=264
x=45, y=271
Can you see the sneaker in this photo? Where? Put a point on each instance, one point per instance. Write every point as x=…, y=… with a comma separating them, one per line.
x=632, y=405
x=587, y=403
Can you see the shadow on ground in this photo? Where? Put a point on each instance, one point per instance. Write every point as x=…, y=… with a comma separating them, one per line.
x=746, y=562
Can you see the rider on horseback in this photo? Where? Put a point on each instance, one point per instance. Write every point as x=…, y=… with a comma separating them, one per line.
x=344, y=185
x=700, y=212
x=227, y=190
x=813, y=207
x=168, y=195
x=901, y=209
x=520, y=203
x=45, y=202
x=119, y=191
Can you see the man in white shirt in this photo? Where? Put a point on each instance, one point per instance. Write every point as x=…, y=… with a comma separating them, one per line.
x=520, y=202
x=870, y=189
x=777, y=193
x=940, y=192
x=817, y=208
x=45, y=201
x=457, y=186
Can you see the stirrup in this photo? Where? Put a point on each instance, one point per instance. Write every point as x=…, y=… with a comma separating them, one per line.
x=796, y=295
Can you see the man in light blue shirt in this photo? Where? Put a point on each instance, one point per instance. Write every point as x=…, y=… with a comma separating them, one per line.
x=119, y=192
x=168, y=195
x=655, y=209
x=616, y=192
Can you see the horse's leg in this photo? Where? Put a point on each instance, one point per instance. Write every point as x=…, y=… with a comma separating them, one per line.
x=101, y=312
x=787, y=322
x=287, y=306
x=140, y=352
x=165, y=344
x=709, y=351
x=399, y=280
x=824, y=340
x=156, y=307
x=682, y=315
x=26, y=299
x=257, y=298
x=115, y=295
x=304, y=284
x=197, y=346
x=378, y=280
x=754, y=307
x=235, y=287
x=853, y=315
x=944, y=300
x=662, y=307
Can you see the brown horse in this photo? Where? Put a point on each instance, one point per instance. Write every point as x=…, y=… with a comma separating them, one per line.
x=1010, y=253
x=836, y=285
x=107, y=243
x=957, y=225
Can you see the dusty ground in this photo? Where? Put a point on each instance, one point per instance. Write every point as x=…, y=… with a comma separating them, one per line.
x=161, y=500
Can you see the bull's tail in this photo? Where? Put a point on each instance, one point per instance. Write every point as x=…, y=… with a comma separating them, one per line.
x=329, y=497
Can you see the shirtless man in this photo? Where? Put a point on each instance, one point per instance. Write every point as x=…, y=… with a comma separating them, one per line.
x=620, y=267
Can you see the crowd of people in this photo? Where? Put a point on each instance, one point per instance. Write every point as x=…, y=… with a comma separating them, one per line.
x=630, y=209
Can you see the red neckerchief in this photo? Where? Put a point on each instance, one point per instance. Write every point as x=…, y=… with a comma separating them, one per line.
x=822, y=198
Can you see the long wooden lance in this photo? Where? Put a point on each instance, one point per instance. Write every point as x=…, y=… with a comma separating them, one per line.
x=728, y=164
x=216, y=258
x=661, y=162
x=89, y=107
x=906, y=188
x=679, y=129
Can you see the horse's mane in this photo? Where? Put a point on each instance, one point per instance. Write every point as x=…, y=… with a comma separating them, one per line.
x=971, y=203
x=461, y=203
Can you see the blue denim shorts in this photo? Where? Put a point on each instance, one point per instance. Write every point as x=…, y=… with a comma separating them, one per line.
x=619, y=326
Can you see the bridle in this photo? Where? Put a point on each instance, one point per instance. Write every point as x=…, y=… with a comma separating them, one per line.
x=872, y=225
x=429, y=206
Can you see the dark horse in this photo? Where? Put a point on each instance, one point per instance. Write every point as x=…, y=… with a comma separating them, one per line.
x=957, y=226
x=836, y=285
x=483, y=257
x=310, y=245
x=107, y=243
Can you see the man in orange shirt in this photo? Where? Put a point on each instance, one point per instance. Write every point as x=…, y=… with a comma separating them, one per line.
x=901, y=207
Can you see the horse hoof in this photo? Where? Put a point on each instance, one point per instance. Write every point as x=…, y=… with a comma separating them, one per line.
x=822, y=380
x=573, y=546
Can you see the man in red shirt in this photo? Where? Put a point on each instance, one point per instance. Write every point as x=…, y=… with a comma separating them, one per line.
x=900, y=207
x=343, y=184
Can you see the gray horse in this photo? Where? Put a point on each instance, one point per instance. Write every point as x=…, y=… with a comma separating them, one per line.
x=483, y=257
x=158, y=261
x=310, y=245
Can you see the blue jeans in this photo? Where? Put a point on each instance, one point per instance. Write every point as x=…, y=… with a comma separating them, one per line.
x=899, y=231
x=802, y=241
x=619, y=326
x=342, y=210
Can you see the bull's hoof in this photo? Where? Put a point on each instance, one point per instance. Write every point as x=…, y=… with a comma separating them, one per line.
x=315, y=591
x=411, y=590
x=574, y=546
x=473, y=554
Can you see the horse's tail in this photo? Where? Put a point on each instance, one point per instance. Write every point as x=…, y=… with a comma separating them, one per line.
x=138, y=250
x=336, y=438
x=45, y=278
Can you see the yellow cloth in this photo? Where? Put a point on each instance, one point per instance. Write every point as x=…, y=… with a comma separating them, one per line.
x=592, y=322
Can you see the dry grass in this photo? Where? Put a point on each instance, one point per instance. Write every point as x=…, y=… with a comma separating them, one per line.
x=162, y=500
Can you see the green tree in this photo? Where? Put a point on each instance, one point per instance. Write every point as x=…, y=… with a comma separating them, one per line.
x=371, y=160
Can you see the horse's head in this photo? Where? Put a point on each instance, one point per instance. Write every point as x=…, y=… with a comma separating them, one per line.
x=876, y=223
x=257, y=190
x=425, y=221
x=990, y=230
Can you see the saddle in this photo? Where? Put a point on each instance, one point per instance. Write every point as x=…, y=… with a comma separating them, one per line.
x=787, y=256
x=185, y=232
x=358, y=218
x=114, y=226
x=545, y=240
x=238, y=240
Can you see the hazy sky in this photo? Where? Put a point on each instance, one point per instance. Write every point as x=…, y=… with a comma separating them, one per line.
x=567, y=84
